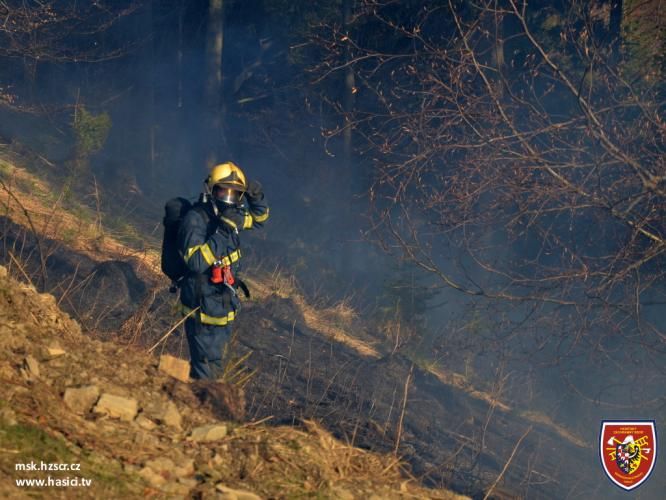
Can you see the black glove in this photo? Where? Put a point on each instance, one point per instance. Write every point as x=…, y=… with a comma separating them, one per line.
x=233, y=214
x=254, y=191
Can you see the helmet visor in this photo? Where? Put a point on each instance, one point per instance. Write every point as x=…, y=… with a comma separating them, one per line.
x=226, y=195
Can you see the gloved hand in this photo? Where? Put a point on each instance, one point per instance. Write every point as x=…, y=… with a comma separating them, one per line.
x=254, y=191
x=234, y=214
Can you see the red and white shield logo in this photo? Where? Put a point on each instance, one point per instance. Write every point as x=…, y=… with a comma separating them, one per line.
x=628, y=451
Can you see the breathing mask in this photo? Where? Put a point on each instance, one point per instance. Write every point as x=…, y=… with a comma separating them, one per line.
x=225, y=196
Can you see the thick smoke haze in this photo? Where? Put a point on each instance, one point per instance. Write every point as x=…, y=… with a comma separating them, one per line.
x=421, y=221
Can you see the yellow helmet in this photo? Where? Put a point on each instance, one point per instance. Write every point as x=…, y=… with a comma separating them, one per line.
x=228, y=175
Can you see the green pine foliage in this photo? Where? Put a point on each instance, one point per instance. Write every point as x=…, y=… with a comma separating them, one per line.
x=644, y=40
x=91, y=131
x=403, y=305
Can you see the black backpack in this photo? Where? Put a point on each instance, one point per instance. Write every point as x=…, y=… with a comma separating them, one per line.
x=172, y=261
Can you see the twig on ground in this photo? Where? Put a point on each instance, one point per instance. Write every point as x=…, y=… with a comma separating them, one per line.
x=166, y=335
x=402, y=412
x=506, y=465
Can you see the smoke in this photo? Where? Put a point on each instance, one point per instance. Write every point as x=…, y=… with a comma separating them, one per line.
x=570, y=364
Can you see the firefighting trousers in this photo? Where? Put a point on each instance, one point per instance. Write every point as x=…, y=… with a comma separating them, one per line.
x=206, y=343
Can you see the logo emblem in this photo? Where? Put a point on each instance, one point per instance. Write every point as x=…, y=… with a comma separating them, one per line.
x=628, y=451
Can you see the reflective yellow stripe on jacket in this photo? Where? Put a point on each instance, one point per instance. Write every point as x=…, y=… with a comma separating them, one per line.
x=261, y=218
x=232, y=257
x=206, y=253
x=211, y=320
x=208, y=256
x=230, y=222
x=247, y=221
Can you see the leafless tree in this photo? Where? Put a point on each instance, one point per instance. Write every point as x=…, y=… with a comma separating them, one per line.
x=519, y=155
x=36, y=32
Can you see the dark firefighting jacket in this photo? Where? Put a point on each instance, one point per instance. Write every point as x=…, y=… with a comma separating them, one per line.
x=205, y=239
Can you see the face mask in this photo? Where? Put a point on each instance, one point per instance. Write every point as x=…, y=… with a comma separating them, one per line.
x=225, y=197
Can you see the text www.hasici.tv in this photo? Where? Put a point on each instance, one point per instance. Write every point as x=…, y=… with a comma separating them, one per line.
x=50, y=481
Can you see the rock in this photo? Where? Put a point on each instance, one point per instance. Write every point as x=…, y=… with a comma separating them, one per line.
x=152, y=477
x=8, y=416
x=145, y=423
x=146, y=439
x=117, y=407
x=60, y=363
x=175, y=367
x=31, y=365
x=162, y=465
x=190, y=483
x=165, y=412
x=171, y=416
x=207, y=433
x=161, y=471
x=54, y=350
x=81, y=399
x=231, y=494
x=184, y=468
x=178, y=490
x=216, y=460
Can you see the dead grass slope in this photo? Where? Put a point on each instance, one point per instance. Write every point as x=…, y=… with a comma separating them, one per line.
x=154, y=452
x=35, y=205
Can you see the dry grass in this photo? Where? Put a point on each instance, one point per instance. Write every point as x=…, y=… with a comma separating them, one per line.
x=336, y=322
x=540, y=418
x=33, y=201
x=311, y=462
x=83, y=232
x=276, y=462
x=460, y=382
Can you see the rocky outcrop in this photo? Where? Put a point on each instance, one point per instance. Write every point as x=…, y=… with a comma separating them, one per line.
x=208, y=433
x=117, y=407
x=81, y=399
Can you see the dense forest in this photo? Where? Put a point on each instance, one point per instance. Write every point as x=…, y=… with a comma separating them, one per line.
x=484, y=181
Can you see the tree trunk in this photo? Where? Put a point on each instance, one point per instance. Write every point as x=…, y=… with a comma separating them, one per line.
x=151, y=99
x=214, y=109
x=179, y=55
x=498, y=53
x=615, y=24
x=349, y=91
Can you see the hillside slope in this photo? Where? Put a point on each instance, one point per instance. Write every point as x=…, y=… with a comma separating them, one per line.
x=66, y=398
x=304, y=363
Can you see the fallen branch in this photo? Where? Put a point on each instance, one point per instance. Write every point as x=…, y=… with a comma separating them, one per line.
x=506, y=465
x=166, y=335
x=404, y=407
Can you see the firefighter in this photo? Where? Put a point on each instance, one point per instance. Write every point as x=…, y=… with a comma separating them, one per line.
x=209, y=242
